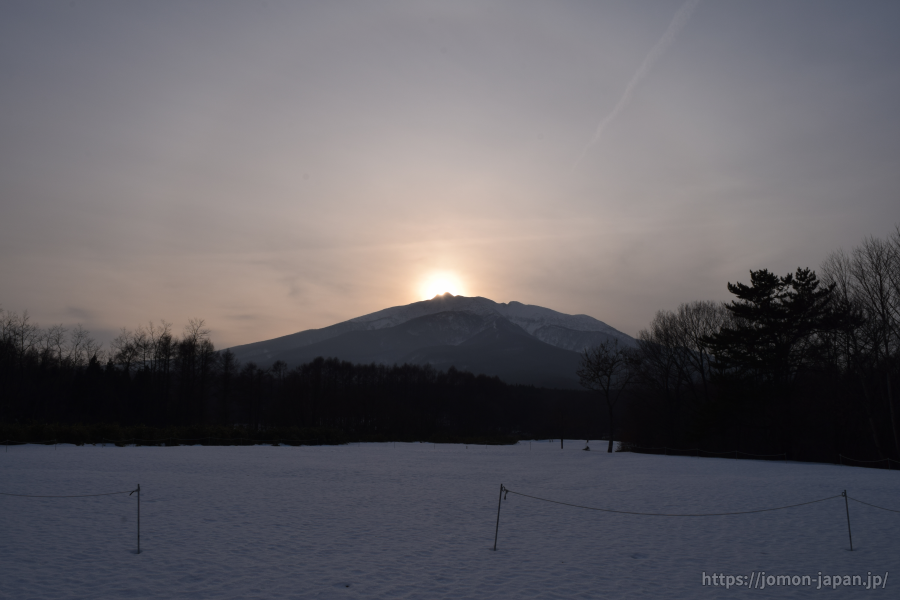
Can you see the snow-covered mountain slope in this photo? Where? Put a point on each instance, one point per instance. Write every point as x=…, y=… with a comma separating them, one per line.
x=517, y=342
x=505, y=350
x=390, y=345
x=569, y=332
x=527, y=316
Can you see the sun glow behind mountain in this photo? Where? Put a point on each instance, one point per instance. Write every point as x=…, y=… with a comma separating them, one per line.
x=440, y=283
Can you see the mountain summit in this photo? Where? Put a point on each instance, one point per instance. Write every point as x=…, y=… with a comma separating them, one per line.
x=520, y=343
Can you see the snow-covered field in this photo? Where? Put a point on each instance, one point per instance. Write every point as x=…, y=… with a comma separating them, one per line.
x=415, y=521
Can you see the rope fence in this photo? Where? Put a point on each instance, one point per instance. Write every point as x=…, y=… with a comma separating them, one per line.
x=876, y=506
x=842, y=458
x=129, y=492
x=668, y=451
x=626, y=512
x=207, y=441
x=7, y=443
x=177, y=441
x=505, y=491
x=241, y=441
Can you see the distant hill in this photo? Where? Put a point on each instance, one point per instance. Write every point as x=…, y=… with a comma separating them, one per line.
x=519, y=343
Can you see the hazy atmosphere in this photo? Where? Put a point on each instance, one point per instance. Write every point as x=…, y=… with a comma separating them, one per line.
x=272, y=167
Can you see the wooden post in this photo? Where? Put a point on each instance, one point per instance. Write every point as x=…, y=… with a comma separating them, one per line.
x=138, y=490
x=847, y=506
x=139, y=519
x=562, y=425
x=497, y=529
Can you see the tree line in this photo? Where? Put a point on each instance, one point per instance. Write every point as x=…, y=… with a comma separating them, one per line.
x=794, y=364
x=154, y=378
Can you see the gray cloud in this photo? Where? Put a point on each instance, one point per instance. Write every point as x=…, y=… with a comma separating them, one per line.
x=79, y=314
x=310, y=162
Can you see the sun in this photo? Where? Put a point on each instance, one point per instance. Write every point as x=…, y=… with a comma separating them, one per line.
x=440, y=283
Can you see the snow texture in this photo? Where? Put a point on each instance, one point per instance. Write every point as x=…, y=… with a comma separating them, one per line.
x=527, y=316
x=569, y=332
x=417, y=521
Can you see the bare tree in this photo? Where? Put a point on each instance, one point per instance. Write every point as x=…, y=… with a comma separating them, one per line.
x=894, y=274
x=852, y=344
x=608, y=369
x=143, y=346
x=197, y=360
x=21, y=333
x=873, y=266
x=52, y=343
x=676, y=360
x=82, y=347
x=229, y=370
x=696, y=323
x=195, y=331
x=124, y=351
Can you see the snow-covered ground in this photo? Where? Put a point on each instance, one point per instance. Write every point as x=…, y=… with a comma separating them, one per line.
x=417, y=521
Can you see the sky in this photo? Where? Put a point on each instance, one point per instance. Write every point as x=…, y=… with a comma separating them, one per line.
x=272, y=166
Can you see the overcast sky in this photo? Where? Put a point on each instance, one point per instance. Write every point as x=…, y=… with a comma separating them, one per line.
x=277, y=166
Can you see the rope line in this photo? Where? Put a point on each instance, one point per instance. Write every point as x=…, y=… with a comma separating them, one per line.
x=235, y=440
x=626, y=512
x=84, y=496
x=869, y=461
x=874, y=506
x=4, y=442
x=763, y=455
x=667, y=449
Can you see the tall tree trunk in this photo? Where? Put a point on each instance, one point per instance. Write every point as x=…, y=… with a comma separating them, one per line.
x=890, y=399
x=869, y=417
x=612, y=429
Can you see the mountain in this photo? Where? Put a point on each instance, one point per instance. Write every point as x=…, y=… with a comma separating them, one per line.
x=519, y=343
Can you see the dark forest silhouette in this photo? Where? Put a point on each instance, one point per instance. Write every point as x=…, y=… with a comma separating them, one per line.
x=152, y=378
x=794, y=365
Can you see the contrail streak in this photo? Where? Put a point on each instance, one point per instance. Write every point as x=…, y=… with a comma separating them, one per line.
x=678, y=21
